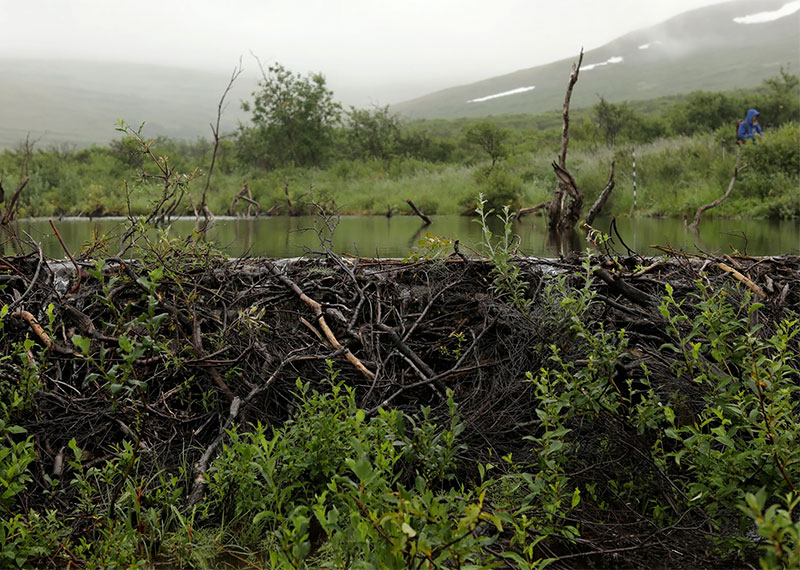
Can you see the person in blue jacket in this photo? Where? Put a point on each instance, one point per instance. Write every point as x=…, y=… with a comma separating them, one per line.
x=749, y=128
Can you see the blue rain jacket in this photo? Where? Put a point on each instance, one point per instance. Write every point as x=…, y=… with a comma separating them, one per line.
x=747, y=130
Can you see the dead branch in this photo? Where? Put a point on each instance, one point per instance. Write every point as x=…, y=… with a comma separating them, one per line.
x=570, y=209
x=744, y=280
x=78, y=271
x=601, y=199
x=417, y=211
x=531, y=210
x=201, y=466
x=696, y=222
x=317, y=308
x=246, y=195
x=10, y=212
x=204, y=210
x=618, y=285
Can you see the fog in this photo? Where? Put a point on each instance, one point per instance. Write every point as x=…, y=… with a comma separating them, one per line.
x=371, y=51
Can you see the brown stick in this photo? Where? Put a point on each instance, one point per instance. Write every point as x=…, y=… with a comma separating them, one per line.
x=417, y=211
x=326, y=330
x=200, y=468
x=197, y=346
x=241, y=196
x=34, y=324
x=615, y=282
x=204, y=209
x=718, y=201
x=747, y=282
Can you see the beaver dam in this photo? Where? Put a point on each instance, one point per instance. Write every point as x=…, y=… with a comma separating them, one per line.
x=607, y=411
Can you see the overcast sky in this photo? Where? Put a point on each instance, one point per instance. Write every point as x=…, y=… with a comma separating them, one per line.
x=384, y=50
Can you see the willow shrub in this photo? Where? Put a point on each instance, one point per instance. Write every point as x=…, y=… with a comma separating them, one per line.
x=332, y=487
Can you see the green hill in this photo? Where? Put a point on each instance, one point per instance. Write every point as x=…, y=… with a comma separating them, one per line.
x=704, y=49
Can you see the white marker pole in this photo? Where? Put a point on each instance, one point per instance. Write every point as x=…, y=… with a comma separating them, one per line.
x=634, y=179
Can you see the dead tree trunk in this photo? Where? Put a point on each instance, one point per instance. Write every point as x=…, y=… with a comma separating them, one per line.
x=564, y=210
x=565, y=189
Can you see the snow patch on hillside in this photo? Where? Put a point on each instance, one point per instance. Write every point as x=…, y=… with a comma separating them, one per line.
x=602, y=63
x=647, y=46
x=761, y=17
x=503, y=94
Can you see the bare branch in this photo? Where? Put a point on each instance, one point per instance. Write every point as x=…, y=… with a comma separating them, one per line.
x=696, y=222
x=601, y=199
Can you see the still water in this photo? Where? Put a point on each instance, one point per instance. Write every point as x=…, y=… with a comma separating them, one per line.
x=377, y=236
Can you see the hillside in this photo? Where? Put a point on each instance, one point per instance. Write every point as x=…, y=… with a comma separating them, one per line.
x=80, y=102
x=704, y=49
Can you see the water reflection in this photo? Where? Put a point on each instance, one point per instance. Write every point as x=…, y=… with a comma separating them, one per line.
x=378, y=236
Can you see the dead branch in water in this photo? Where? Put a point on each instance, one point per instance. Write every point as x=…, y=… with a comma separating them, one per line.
x=531, y=210
x=696, y=222
x=601, y=199
x=419, y=213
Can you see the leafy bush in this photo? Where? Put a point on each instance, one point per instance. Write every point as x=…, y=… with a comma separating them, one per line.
x=332, y=484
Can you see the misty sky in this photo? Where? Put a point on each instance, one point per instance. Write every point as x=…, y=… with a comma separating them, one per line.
x=383, y=50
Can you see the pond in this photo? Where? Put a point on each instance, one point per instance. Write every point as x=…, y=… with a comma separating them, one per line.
x=378, y=236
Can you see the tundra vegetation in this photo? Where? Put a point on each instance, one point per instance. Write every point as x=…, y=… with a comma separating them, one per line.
x=189, y=410
x=163, y=405
x=368, y=161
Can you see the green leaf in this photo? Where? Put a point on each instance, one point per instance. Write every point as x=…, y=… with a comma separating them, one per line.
x=125, y=343
x=300, y=551
x=752, y=502
x=407, y=530
x=81, y=343
x=576, y=497
x=515, y=557
x=362, y=468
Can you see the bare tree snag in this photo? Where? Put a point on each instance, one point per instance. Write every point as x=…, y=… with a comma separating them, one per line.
x=571, y=209
x=418, y=212
x=601, y=199
x=696, y=222
x=557, y=206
